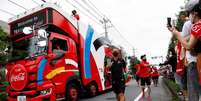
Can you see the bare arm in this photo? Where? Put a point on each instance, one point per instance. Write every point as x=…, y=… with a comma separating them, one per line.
x=188, y=45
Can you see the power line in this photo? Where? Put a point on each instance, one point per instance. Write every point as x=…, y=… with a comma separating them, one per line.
x=106, y=18
x=17, y=5
x=35, y=2
x=83, y=13
x=122, y=35
x=87, y=10
x=43, y=1
x=7, y=12
x=95, y=7
x=84, y=1
x=100, y=14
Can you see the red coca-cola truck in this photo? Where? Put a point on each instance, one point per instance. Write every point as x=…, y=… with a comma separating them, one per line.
x=54, y=56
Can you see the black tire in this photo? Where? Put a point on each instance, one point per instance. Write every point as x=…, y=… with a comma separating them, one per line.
x=92, y=90
x=71, y=92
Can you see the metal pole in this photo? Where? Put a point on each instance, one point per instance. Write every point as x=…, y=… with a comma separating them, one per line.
x=105, y=21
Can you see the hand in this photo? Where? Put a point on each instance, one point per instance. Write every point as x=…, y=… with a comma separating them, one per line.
x=173, y=30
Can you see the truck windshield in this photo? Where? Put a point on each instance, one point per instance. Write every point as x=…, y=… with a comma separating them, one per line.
x=26, y=48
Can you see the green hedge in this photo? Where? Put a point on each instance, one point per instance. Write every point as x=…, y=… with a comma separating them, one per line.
x=174, y=88
x=3, y=84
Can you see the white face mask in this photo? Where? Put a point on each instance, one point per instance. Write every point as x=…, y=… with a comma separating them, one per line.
x=191, y=18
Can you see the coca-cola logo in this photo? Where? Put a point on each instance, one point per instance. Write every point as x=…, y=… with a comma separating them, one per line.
x=18, y=77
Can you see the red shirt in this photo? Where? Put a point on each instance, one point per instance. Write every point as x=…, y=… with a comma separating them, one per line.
x=144, y=70
x=154, y=72
x=196, y=29
x=196, y=32
x=180, y=65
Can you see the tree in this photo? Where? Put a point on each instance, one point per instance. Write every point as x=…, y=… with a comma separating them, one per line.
x=133, y=61
x=4, y=43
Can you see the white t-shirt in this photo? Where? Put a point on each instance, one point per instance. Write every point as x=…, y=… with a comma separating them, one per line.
x=186, y=33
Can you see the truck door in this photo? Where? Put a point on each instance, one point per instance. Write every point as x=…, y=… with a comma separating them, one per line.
x=63, y=61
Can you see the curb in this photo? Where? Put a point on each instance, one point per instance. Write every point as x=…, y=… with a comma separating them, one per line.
x=173, y=92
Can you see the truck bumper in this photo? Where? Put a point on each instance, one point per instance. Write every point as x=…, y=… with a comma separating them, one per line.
x=38, y=98
x=47, y=97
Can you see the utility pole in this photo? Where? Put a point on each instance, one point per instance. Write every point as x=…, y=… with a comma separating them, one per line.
x=105, y=21
x=134, y=51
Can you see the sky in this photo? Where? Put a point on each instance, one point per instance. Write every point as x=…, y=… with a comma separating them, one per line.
x=141, y=23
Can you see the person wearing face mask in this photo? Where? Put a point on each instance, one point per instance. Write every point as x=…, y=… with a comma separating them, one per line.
x=191, y=45
x=117, y=72
x=145, y=74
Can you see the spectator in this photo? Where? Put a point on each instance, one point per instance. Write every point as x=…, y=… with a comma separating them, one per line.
x=180, y=74
x=190, y=60
x=193, y=6
x=172, y=61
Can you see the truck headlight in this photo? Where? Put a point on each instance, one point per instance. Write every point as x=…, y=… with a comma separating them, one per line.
x=45, y=91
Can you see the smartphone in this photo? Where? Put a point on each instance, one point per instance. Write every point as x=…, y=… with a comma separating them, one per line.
x=169, y=22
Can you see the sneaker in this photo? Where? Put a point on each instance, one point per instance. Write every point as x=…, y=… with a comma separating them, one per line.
x=149, y=98
x=180, y=93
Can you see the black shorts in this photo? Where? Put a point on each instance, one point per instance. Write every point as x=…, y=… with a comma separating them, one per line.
x=137, y=78
x=155, y=78
x=146, y=81
x=118, y=86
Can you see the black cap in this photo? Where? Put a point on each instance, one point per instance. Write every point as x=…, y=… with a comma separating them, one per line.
x=143, y=56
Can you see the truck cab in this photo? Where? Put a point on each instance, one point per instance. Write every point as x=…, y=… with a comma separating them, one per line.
x=44, y=61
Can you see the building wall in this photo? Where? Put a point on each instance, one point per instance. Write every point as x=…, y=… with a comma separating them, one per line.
x=4, y=26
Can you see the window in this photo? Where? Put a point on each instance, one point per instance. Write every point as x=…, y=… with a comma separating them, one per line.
x=59, y=44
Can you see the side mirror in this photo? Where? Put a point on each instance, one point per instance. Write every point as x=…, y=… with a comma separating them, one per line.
x=42, y=33
x=27, y=30
x=42, y=43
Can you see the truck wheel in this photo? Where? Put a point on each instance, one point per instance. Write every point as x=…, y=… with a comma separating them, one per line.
x=71, y=92
x=93, y=90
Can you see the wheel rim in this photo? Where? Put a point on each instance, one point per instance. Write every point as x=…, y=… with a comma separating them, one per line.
x=93, y=90
x=73, y=94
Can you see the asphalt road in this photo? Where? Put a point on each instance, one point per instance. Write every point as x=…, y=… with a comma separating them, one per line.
x=132, y=93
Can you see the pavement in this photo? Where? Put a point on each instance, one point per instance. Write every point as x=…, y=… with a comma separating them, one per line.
x=132, y=93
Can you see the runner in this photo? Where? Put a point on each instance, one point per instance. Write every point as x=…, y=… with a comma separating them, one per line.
x=144, y=74
x=117, y=70
x=155, y=76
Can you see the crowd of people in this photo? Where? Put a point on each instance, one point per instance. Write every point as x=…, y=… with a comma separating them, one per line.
x=184, y=59
x=186, y=62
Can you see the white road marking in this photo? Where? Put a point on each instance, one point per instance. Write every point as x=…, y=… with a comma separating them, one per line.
x=140, y=95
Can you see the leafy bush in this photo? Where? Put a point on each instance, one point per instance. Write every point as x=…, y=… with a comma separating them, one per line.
x=174, y=88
